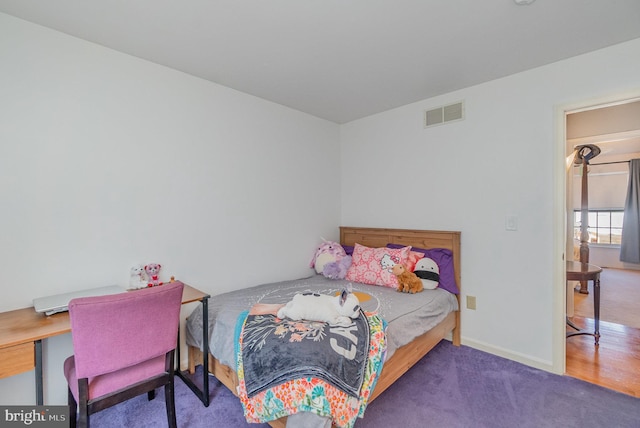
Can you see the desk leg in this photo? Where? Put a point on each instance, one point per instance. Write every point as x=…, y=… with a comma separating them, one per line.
x=205, y=352
x=596, y=308
x=38, y=361
x=203, y=394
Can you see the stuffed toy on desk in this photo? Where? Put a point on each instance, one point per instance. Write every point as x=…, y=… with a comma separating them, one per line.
x=138, y=277
x=153, y=277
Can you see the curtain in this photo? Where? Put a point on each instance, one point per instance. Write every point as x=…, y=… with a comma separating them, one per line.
x=630, y=248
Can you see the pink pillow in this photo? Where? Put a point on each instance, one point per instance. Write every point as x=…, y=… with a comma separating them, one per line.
x=411, y=262
x=373, y=265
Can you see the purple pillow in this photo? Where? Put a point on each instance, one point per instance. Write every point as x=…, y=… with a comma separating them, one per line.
x=444, y=260
x=348, y=249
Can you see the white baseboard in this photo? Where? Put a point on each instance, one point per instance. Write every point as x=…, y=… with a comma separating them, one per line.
x=510, y=355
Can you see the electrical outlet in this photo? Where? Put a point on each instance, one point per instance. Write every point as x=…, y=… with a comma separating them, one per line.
x=471, y=302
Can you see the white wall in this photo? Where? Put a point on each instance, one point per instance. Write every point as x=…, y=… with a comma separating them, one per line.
x=107, y=160
x=469, y=175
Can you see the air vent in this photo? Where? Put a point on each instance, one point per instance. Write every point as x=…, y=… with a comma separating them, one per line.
x=440, y=115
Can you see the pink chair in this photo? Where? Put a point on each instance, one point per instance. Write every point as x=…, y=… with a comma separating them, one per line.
x=123, y=346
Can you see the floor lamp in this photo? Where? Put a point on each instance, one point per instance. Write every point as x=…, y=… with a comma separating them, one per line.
x=582, y=155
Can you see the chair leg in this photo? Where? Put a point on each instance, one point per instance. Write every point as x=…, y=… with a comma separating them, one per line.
x=73, y=409
x=83, y=416
x=83, y=403
x=151, y=394
x=170, y=403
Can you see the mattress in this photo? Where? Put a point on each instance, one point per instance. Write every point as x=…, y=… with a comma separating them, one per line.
x=407, y=315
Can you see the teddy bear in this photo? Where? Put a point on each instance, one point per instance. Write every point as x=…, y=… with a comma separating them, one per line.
x=138, y=277
x=337, y=310
x=331, y=260
x=408, y=282
x=428, y=271
x=152, y=270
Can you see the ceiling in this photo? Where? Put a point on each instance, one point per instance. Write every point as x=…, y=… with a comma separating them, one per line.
x=342, y=60
x=614, y=128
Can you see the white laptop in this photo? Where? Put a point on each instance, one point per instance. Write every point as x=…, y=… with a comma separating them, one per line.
x=60, y=302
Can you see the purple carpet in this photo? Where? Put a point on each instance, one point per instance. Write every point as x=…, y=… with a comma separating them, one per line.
x=450, y=387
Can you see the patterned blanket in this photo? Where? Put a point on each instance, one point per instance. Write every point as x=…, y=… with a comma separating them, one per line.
x=286, y=366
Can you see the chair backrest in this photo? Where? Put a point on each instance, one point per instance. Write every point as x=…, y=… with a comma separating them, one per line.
x=120, y=330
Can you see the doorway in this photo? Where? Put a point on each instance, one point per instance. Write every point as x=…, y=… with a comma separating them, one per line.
x=600, y=123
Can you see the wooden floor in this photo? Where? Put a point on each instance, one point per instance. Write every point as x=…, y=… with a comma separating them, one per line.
x=619, y=300
x=615, y=363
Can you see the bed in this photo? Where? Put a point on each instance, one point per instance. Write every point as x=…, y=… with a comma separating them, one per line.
x=405, y=346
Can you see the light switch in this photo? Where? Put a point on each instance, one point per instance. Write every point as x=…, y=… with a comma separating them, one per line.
x=511, y=222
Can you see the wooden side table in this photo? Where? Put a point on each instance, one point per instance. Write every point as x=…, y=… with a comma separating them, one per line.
x=577, y=271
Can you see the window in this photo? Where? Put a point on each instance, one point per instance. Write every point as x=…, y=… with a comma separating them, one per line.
x=605, y=226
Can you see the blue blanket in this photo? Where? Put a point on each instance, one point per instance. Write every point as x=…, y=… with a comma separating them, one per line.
x=278, y=350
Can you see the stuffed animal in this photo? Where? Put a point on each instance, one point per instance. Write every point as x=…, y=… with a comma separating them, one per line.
x=429, y=273
x=408, y=282
x=138, y=278
x=335, y=310
x=337, y=270
x=152, y=270
x=331, y=260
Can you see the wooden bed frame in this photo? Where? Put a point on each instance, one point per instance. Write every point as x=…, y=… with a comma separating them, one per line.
x=406, y=356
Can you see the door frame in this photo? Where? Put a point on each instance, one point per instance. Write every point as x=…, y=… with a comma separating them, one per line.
x=560, y=217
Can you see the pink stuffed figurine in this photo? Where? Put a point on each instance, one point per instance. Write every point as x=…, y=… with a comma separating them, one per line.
x=152, y=270
x=331, y=260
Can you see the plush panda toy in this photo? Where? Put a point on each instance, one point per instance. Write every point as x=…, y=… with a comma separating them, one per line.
x=429, y=273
